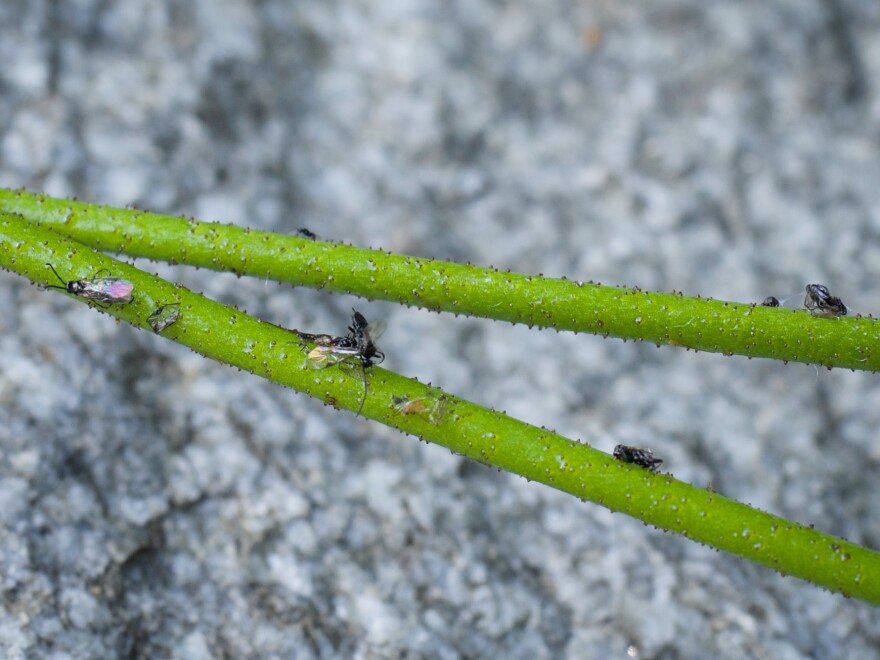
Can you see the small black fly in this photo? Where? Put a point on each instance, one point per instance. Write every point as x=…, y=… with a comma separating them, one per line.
x=770, y=301
x=307, y=233
x=821, y=303
x=110, y=290
x=637, y=456
x=358, y=347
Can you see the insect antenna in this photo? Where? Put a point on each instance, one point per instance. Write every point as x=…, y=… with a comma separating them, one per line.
x=60, y=279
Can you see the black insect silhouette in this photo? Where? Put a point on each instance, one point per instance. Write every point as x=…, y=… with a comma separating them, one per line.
x=638, y=456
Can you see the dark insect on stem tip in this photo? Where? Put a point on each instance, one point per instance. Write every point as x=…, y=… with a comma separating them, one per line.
x=637, y=456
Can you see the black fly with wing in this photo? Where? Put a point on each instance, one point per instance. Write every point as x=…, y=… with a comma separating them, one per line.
x=357, y=347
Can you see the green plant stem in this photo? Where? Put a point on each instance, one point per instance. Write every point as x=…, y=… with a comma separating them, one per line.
x=660, y=318
x=230, y=336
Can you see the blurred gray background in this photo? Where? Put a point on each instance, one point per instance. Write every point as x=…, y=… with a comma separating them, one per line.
x=155, y=504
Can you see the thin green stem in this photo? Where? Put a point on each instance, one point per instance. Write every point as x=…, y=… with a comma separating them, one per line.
x=660, y=318
x=232, y=337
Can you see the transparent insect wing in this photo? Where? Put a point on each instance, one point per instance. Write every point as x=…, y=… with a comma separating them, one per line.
x=430, y=407
x=323, y=356
x=120, y=290
x=164, y=316
x=374, y=330
x=370, y=353
x=107, y=290
x=411, y=406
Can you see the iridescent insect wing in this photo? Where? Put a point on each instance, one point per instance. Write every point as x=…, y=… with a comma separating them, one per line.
x=319, y=356
x=323, y=356
x=121, y=290
x=107, y=290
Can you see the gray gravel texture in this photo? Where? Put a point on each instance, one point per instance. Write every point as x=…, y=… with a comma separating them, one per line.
x=155, y=504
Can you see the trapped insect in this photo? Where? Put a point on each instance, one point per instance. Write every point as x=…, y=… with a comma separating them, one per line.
x=637, y=456
x=164, y=316
x=431, y=407
x=307, y=233
x=110, y=290
x=358, y=347
x=821, y=303
x=770, y=301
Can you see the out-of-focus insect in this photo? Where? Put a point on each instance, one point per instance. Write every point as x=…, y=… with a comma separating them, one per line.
x=307, y=233
x=109, y=290
x=770, y=301
x=164, y=316
x=638, y=456
x=821, y=303
x=358, y=347
x=431, y=407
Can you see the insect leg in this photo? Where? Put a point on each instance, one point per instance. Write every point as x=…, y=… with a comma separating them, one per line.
x=364, y=398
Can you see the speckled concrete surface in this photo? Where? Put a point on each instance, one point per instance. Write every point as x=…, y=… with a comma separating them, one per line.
x=154, y=504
